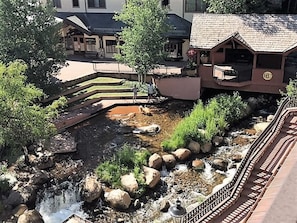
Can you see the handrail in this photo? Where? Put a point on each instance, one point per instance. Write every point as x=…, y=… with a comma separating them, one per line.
x=215, y=201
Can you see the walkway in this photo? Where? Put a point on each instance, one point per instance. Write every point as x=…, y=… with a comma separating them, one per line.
x=79, y=66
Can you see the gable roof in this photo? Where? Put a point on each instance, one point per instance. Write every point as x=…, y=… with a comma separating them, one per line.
x=104, y=24
x=260, y=32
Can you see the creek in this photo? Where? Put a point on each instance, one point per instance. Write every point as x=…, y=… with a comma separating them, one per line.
x=100, y=137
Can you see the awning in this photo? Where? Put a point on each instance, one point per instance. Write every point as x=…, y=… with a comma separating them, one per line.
x=77, y=23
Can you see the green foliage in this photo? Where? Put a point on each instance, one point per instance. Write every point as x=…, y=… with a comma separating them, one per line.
x=204, y=122
x=143, y=35
x=22, y=120
x=111, y=171
x=125, y=161
x=291, y=89
x=237, y=6
x=29, y=31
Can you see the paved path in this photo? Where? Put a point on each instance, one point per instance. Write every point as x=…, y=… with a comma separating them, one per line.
x=80, y=66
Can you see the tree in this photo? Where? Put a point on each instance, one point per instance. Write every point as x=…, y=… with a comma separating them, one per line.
x=237, y=6
x=29, y=31
x=143, y=35
x=22, y=120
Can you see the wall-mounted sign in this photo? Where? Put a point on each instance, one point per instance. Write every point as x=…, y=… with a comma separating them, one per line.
x=267, y=75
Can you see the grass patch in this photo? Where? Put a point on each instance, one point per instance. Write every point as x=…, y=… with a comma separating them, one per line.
x=207, y=121
x=101, y=80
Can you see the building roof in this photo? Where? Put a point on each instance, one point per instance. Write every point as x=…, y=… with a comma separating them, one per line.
x=260, y=32
x=104, y=24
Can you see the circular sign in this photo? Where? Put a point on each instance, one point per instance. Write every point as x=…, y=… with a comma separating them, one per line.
x=267, y=75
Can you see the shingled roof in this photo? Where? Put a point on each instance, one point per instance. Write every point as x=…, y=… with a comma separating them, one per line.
x=261, y=33
x=104, y=24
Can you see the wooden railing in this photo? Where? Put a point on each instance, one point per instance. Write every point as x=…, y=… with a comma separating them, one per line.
x=227, y=195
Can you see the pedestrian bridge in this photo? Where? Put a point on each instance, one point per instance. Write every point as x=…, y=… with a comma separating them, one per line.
x=258, y=179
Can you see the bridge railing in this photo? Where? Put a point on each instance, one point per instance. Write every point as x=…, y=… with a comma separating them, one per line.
x=223, y=198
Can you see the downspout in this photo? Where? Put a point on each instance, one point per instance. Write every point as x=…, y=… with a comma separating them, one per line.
x=86, y=6
x=183, y=9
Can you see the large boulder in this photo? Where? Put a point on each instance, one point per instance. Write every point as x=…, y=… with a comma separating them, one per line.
x=30, y=216
x=155, y=161
x=152, y=176
x=182, y=153
x=118, y=199
x=169, y=160
x=129, y=183
x=194, y=147
x=91, y=189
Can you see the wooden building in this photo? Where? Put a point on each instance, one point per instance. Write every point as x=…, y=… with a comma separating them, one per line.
x=245, y=52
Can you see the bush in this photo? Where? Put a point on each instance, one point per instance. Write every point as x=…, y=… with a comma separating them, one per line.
x=125, y=161
x=214, y=118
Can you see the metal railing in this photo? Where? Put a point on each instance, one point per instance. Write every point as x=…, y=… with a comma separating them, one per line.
x=227, y=195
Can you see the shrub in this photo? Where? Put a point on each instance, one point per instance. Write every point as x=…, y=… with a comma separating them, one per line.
x=125, y=161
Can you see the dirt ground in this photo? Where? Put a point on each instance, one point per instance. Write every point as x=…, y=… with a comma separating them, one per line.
x=100, y=137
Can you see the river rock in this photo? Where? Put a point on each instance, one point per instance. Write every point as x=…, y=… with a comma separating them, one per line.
x=198, y=164
x=206, y=147
x=145, y=110
x=129, y=183
x=182, y=153
x=259, y=127
x=152, y=176
x=91, y=189
x=150, y=129
x=30, y=216
x=62, y=143
x=169, y=160
x=220, y=164
x=19, y=210
x=217, y=140
x=118, y=199
x=269, y=118
x=155, y=161
x=236, y=157
x=194, y=147
x=164, y=205
x=40, y=177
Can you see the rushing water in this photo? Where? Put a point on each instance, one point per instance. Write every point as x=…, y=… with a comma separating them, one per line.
x=58, y=202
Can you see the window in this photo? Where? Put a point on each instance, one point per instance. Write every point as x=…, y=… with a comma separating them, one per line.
x=111, y=46
x=91, y=44
x=75, y=3
x=57, y=3
x=195, y=6
x=269, y=61
x=96, y=3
